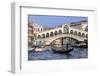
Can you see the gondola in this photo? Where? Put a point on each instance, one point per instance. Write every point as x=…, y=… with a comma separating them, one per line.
x=60, y=51
x=67, y=49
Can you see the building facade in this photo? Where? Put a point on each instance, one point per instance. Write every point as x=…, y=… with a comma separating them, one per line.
x=33, y=29
x=81, y=25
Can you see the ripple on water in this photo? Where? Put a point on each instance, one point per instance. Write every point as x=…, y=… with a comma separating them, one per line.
x=49, y=55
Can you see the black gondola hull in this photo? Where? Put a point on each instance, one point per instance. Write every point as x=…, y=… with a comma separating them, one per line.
x=64, y=51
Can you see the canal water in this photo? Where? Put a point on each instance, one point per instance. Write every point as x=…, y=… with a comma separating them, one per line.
x=77, y=53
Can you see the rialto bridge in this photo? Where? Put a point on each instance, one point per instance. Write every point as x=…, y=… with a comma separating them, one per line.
x=47, y=37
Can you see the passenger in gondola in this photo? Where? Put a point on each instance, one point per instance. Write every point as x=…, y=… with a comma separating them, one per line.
x=67, y=46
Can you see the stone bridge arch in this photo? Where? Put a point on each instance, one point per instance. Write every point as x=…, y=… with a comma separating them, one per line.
x=51, y=39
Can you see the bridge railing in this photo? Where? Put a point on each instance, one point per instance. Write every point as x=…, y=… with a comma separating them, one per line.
x=63, y=34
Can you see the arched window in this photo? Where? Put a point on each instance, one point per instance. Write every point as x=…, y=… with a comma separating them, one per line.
x=71, y=32
x=47, y=35
x=79, y=34
x=38, y=29
x=41, y=29
x=75, y=33
x=83, y=35
x=51, y=34
x=43, y=35
x=56, y=33
x=60, y=32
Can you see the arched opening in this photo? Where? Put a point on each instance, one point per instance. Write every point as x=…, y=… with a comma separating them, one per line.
x=75, y=33
x=47, y=35
x=79, y=34
x=56, y=33
x=51, y=34
x=86, y=35
x=43, y=35
x=60, y=32
x=41, y=29
x=83, y=35
x=39, y=36
x=67, y=31
x=86, y=29
x=66, y=40
x=71, y=32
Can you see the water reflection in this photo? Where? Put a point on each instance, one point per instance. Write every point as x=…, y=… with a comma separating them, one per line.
x=50, y=55
x=69, y=56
